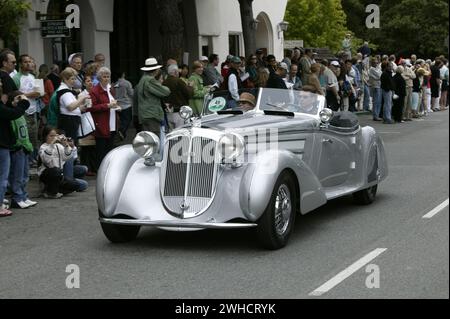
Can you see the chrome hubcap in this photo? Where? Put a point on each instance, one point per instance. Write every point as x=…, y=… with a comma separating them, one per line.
x=283, y=210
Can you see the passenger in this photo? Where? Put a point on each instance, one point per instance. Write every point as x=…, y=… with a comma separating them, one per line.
x=247, y=102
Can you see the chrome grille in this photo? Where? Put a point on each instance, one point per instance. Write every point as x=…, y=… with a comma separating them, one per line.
x=176, y=166
x=189, y=163
x=202, y=168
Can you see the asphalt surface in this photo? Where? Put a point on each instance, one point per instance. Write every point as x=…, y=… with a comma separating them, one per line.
x=37, y=245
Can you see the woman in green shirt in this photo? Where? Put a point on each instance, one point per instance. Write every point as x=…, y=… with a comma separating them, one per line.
x=196, y=103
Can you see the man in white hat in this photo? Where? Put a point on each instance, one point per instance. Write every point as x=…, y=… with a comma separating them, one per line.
x=148, y=95
x=332, y=89
x=76, y=62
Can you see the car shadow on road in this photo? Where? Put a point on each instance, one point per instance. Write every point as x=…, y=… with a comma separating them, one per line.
x=245, y=240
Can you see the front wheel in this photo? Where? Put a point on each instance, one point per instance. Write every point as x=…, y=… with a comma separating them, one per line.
x=120, y=233
x=275, y=225
x=366, y=196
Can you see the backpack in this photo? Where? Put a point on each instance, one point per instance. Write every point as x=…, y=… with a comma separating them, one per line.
x=54, y=107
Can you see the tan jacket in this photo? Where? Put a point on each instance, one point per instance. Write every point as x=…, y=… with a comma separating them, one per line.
x=409, y=76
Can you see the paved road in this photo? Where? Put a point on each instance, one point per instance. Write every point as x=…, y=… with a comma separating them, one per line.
x=37, y=245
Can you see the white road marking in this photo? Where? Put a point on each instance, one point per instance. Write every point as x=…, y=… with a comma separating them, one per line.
x=389, y=132
x=436, y=210
x=347, y=273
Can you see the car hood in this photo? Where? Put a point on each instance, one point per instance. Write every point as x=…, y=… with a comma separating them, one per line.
x=256, y=120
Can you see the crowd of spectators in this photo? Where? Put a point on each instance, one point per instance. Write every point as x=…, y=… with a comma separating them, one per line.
x=64, y=122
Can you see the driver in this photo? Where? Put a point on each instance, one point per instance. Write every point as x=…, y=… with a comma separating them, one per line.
x=247, y=102
x=307, y=102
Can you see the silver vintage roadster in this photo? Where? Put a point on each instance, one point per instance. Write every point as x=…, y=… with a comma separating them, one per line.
x=240, y=169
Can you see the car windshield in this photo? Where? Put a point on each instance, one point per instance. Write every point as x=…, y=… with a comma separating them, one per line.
x=291, y=101
x=221, y=101
x=278, y=100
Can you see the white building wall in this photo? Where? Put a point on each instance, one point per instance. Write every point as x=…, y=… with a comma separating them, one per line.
x=276, y=11
x=218, y=18
x=96, y=25
x=30, y=40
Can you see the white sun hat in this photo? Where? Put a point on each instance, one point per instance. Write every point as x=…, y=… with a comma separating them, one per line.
x=151, y=64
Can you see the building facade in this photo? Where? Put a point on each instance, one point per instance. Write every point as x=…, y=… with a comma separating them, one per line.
x=127, y=32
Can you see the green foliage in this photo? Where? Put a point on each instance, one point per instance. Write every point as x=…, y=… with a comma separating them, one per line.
x=407, y=26
x=318, y=23
x=12, y=13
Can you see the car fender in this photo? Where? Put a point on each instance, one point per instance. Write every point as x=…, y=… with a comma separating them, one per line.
x=260, y=178
x=111, y=177
x=375, y=168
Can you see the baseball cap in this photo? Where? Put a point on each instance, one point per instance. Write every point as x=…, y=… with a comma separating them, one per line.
x=236, y=59
x=283, y=65
x=204, y=58
x=335, y=63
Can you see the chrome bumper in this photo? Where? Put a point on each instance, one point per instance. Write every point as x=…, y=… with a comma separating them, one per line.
x=175, y=224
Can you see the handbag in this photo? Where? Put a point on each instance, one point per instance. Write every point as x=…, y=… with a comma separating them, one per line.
x=87, y=125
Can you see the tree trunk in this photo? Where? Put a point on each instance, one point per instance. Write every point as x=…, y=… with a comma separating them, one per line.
x=172, y=29
x=247, y=26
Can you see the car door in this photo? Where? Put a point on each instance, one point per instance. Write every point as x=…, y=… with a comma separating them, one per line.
x=336, y=158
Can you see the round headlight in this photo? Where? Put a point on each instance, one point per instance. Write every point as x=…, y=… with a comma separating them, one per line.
x=186, y=112
x=326, y=115
x=146, y=144
x=231, y=146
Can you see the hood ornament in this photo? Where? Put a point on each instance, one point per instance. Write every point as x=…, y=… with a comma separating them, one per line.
x=197, y=122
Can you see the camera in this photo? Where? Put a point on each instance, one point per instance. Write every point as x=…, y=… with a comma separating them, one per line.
x=61, y=138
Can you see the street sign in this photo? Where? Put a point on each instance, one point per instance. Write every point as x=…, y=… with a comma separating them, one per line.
x=54, y=29
x=291, y=44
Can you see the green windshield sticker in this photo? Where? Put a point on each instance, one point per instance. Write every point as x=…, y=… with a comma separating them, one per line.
x=217, y=104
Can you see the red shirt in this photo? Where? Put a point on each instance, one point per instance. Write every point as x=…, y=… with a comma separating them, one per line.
x=100, y=111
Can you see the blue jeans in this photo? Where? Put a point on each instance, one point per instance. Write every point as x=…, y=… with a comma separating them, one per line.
x=5, y=162
x=68, y=169
x=387, y=106
x=366, y=101
x=18, y=176
x=75, y=173
x=79, y=172
x=376, y=98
